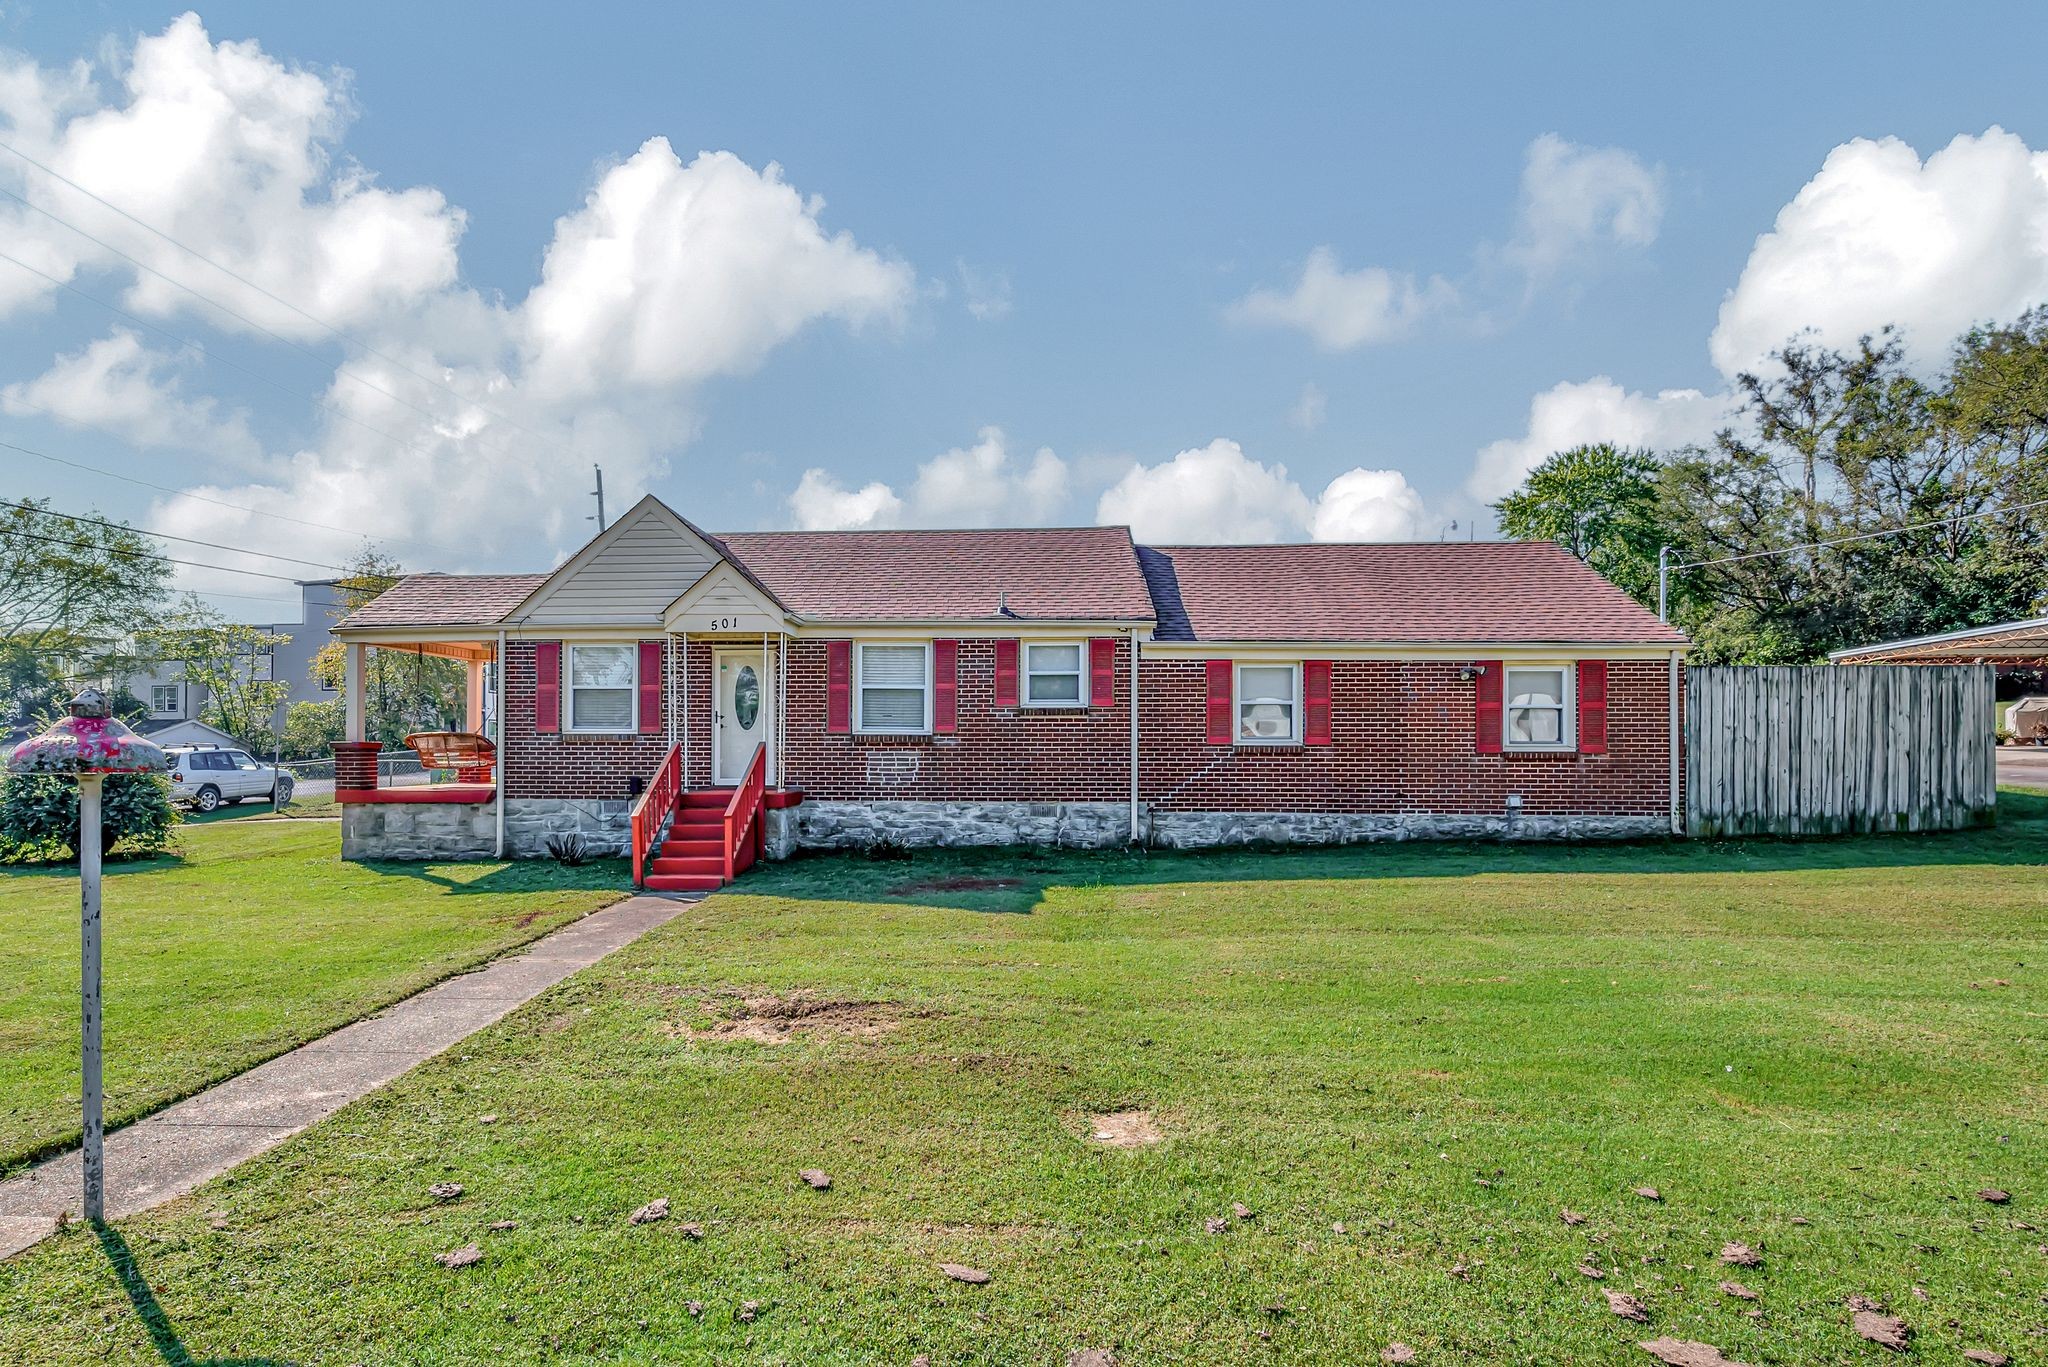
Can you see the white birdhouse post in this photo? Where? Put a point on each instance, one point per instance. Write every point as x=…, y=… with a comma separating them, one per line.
x=88, y=745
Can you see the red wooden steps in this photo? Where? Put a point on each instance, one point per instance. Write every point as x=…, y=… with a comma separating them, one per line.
x=692, y=856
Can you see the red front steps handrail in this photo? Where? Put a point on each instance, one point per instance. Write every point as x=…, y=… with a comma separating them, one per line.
x=654, y=808
x=744, y=829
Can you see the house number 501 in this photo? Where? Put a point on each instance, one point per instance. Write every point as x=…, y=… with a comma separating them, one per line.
x=725, y=624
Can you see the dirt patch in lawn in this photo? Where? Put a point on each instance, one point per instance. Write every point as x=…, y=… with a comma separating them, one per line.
x=955, y=883
x=1125, y=1130
x=769, y=1018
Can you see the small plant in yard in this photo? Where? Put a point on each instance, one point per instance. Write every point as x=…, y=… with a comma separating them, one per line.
x=568, y=848
x=39, y=816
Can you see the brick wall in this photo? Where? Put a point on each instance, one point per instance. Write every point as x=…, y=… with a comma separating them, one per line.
x=564, y=765
x=1402, y=733
x=998, y=754
x=1402, y=741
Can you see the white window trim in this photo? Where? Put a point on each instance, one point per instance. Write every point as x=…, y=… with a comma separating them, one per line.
x=1237, y=668
x=177, y=700
x=569, y=727
x=860, y=726
x=1024, y=671
x=1567, y=723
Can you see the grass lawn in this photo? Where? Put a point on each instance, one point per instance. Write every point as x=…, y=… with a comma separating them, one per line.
x=258, y=937
x=1404, y=1061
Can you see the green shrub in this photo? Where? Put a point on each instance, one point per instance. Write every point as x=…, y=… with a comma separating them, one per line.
x=39, y=815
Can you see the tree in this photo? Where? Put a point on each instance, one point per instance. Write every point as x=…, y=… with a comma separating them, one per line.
x=404, y=691
x=70, y=590
x=1602, y=503
x=223, y=658
x=312, y=728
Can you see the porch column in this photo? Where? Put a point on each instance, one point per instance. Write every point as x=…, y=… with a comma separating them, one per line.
x=475, y=678
x=353, y=704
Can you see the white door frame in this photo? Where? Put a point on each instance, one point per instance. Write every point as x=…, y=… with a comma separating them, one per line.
x=758, y=657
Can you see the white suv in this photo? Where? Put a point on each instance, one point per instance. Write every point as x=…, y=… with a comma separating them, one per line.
x=209, y=777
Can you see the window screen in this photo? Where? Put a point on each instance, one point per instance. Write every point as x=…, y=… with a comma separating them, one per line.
x=601, y=688
x=1053, y=675
x=892, y=688
x=1265, y=703
x=1535, y=702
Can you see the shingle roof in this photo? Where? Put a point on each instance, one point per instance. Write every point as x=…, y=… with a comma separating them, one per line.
x=445, y=600
x=1502, y=592
x=1067, y=573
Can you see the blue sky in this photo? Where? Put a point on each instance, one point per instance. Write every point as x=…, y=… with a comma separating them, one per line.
x=1084, y=227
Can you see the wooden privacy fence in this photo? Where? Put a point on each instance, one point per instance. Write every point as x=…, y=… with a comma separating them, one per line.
x=1828, y=750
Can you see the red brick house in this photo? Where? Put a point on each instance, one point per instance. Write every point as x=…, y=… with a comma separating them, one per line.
x=695, y=700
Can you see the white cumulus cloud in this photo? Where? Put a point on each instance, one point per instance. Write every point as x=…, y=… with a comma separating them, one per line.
x=982, y=485
x=1343, y=309
x=1576, y=199
x=1879, y=236
x=1217, y=493
x=667, y=274
x=1576, y=412
x=118, y=385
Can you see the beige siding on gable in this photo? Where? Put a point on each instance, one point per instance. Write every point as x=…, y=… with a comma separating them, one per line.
x=646, y=566
x=723, y=601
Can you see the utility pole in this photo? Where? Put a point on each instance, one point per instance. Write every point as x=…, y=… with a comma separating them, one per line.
x=1664, y=583
x=598, y=493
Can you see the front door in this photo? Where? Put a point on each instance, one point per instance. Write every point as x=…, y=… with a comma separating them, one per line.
x=739, y=719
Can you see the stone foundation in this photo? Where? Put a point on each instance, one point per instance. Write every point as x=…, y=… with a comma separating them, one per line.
x=449, y=831
x=1201, y=830
x=469, y=830
x=925, y=825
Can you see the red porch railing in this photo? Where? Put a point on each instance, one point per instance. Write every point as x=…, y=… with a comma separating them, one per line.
x=744, y=829
x=654, y=808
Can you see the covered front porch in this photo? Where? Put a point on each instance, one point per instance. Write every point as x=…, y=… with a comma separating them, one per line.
x=471, y=753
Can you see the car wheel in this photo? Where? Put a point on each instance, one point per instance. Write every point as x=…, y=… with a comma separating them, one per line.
x=206, y=799
x=282, y=793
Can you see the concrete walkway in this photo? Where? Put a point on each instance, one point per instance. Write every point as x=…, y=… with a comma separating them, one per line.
x=176, y=1150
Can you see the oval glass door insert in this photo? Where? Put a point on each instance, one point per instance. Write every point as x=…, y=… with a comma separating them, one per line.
x=746, y=697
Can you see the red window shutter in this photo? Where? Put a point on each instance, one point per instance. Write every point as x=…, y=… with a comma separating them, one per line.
x=1006, y=673
x=650, y=688
x=1592, y=707
x=1315, y=695
x=839, y=687
x=1102, y=671
x=945, y=687
x=1219, y=702
x=1487, y=715
x=547, y=686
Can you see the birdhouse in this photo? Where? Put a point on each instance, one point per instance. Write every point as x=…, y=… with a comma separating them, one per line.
x=89, y=741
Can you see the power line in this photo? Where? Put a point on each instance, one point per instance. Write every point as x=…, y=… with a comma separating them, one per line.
x=146, y=555
x=179, y=493
x=236, y=275
x=240, y=317
x=166, y=536
x=1665, y=565
x=209, y=354
x=1863, y=536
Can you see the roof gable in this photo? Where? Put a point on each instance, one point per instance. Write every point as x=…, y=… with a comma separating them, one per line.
x=726, y=599
x=628, y=574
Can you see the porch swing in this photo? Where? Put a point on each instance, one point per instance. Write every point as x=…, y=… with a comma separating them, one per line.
x=471, y=755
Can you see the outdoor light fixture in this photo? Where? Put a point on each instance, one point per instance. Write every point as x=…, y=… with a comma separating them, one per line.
x=1471, y=672
x=88, y=745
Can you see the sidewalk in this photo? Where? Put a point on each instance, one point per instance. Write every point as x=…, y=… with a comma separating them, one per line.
x=181, y=1147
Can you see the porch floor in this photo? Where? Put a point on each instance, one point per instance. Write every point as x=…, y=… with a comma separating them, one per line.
x=425, y=792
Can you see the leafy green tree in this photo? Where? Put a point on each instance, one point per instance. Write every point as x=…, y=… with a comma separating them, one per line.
x=312, y=728
x=1603, y=504
x=70, y=591
x=223, y=658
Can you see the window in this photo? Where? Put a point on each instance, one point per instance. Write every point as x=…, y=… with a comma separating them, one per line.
x=1266, y=704
x=235, y=759
x=602, y=690
x=1055, y=675
x=892, y=689
x=1537, y=699
x=163, y=699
